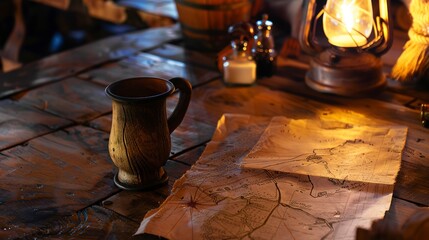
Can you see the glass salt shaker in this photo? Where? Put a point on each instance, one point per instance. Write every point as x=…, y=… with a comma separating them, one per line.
x=239, y=68
x=263, y=50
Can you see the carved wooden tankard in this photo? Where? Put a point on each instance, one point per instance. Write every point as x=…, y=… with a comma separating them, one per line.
x=139, y=142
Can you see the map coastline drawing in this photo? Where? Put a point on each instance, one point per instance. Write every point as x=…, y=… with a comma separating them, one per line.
x=358, y=153
x=219, y=199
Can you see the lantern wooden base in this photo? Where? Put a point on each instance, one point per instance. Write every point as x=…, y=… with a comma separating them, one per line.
x=345, y=74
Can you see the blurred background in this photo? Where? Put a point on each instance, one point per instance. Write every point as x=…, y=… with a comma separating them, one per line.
x=51, y=30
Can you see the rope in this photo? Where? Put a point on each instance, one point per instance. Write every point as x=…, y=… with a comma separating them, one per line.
x=413, y=64
x=418, y=37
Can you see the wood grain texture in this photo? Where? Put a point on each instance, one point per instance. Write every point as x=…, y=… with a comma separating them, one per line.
x=139, y=142
x=286, y=83
x=191, y=156
x=94, y=222
x=190, y=133
x=399, y=212
x=400, y=109
x=73, y=99
x=295, y=70
x=135, y=204
x=214, y=99
x=191, y=57
x=145, y=64
x=103, y=123
x=53, y=176
x=412, y=183
x=70, y=62
x=19, y=123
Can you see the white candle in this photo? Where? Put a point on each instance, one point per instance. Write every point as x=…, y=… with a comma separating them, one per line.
x=239, y=71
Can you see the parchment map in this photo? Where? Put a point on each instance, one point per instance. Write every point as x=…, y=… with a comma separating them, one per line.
x=357, y=153
x=218, y=199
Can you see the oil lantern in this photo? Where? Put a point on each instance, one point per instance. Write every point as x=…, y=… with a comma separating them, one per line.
x=347, y=38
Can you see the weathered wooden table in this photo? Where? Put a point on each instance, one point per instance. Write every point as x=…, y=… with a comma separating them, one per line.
x=56, y=176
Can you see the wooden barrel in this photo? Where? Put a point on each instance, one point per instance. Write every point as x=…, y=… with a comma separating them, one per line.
x=205, y=23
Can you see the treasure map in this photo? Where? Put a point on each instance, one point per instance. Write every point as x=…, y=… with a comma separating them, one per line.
x=344, y=152
x=218, y=198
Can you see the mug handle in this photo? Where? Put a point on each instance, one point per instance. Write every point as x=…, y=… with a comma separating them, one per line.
x=178, y=114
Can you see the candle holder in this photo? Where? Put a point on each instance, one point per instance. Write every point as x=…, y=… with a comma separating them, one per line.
x=347, y=37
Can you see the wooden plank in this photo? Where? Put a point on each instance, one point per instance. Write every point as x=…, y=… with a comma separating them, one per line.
x=53, y=176
x=381, y=109
x=412, y=183
x=419, y=91
x=74, y=99
x=174, y=52
x=416, y=104
x=212, y=100
x=19, y=123
x=145, y=64
x=291, y=73
x=190, y=133
x=399, y=212
x=135, y=204
x=416, y=150
x=68, y=63
x=288, y=81
x=103, y=123
x=109, y=73
x=191, y=156
x=94, y=222
x=395, y=97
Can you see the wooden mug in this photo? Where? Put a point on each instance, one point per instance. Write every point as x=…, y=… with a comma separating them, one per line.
x=139, y=143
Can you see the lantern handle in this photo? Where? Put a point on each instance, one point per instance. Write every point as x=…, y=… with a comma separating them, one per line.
x=307, y=44
x=383, y=25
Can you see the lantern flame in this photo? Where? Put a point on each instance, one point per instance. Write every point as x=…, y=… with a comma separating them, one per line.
x=348, y=23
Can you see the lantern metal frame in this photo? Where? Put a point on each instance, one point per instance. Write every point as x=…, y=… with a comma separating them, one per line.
x=346, y=71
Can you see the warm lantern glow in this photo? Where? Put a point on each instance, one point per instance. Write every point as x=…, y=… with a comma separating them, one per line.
x=348, y=23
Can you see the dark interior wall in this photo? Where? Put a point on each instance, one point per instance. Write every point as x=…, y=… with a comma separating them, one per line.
x=50, y=30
